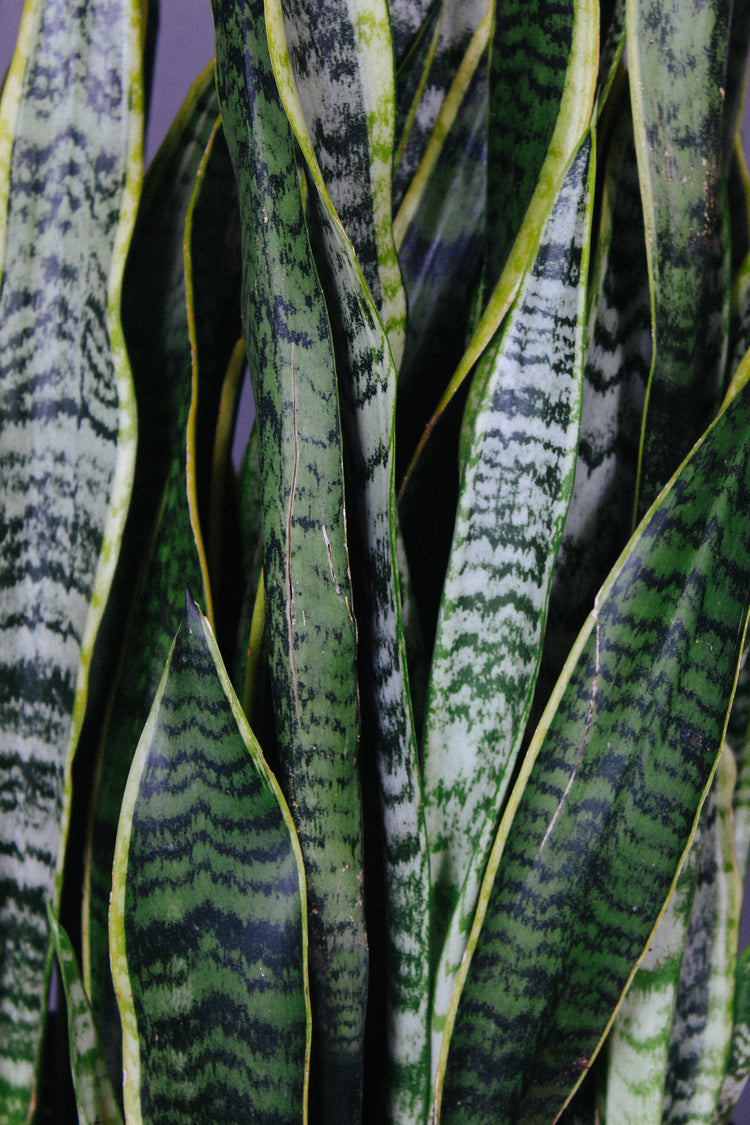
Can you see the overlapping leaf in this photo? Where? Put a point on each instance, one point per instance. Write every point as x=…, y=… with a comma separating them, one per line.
x=606, y=801
x=95, y=1098
x=618, y=354
x=163, y=309
x=308, y=602
x=367, y=380
x=71, y=122
x=208, y=934
x=341, y=55
x=514, y=495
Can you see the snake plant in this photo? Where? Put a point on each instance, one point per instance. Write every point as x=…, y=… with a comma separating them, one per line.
x=396, y=769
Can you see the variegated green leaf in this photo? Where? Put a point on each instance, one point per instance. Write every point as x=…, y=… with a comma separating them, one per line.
x=367, y=380
x=638, y=1043
x=71, y=122
x=207, y=930
x=408, y=18
x=441, y=251
x=308, y=601
x=702, y=1028
x=165, y=311
x=455, y=30
x=341, y=54
x=677, y=60
x=607, y=797
x=574, y=107
x=95, y=1098
x=514, y=495
x=531, y=49
x=738, y=1066
x=618, y=355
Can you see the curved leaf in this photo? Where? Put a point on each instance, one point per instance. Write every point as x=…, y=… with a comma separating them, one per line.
x=607, y=798
x=367, y=380
x=67, y=446
x=702, y=1029
x=162, y=304
x=208, y=938
x=309, y=622
x=515, y=491
x=95, y=1098
x=341, y=55
x=572, y=122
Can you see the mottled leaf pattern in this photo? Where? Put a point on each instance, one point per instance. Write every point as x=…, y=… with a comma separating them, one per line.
x=208, y=911
x=702, y=1027
x=677, y=59
x=638, y=1043
x=336, y=50
x=367, y=380
x=618, y=356
x=610, y=788
x=67, y=446
x=95, y=1098
x=308, y=601
x=514, y=495
x=197, y=168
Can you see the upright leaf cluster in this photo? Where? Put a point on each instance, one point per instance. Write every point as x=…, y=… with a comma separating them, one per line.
x=387, y=762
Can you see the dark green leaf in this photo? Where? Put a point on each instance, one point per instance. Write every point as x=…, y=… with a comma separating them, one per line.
x=208, y=937
x=514, y=494
x=160, y=299
x=309, y=623
x=607, y=798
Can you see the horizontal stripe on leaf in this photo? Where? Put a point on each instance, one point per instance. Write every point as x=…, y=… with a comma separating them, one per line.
x=367, y=379
x=308, y=601
x=68, y=195
x=514, y=494
x=173, y=450
x=608, y=798
x=208, y=933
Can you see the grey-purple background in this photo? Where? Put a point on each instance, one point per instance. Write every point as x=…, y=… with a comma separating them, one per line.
x=184, y=46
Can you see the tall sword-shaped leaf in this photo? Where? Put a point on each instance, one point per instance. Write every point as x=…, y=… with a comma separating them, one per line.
x=181, y=283
x=367, y=381
x=341, y=54
x=309, y=622
x=573, y=107
x=677, y=58
x=608, y=796
x=207, y=930
x=515, y=492
x=95, y=1098
x=618, y=357
x=702, y=1030
x=638, y=1042
x=456, y=25
x=68, y=192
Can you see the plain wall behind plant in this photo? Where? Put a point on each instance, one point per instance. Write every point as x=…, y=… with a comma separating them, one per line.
x=184, y=46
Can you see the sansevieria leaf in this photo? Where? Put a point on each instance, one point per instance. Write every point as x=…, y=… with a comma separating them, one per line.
x=71, y=122
x=310, y=624
x=207, y=928
x=677, y=87
x=175, y=237
x=95, y=1098
x=341, y=55
x=515, y=491
x=607, y=798
x=367, y=382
